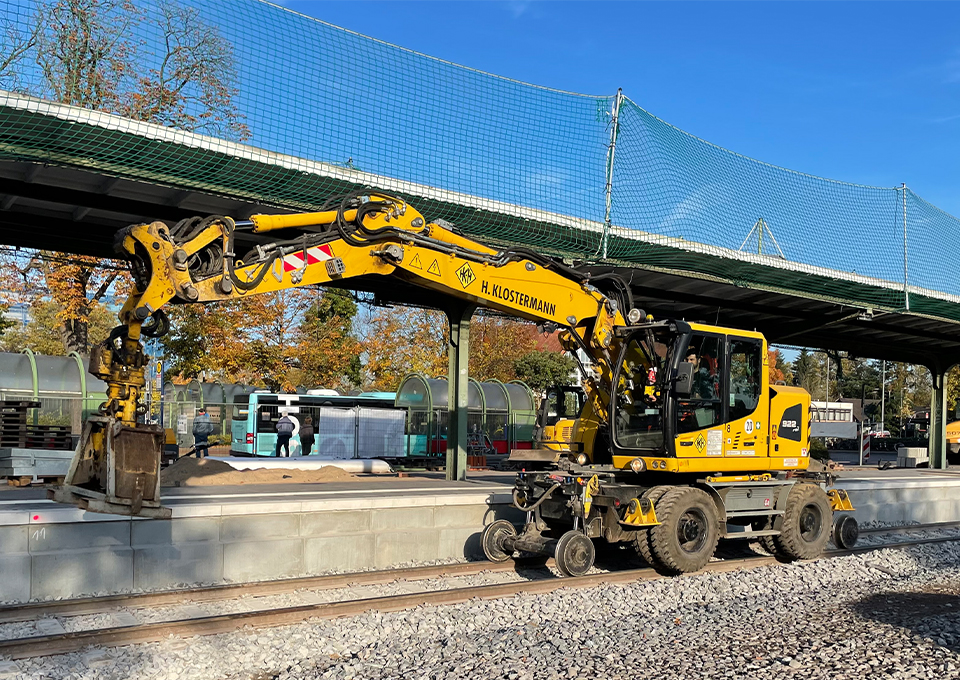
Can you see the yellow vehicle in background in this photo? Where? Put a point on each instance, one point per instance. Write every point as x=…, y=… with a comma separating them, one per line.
x=559, y=411
x=953, y=437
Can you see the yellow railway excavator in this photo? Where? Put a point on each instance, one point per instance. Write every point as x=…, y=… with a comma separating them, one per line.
x=680, y=439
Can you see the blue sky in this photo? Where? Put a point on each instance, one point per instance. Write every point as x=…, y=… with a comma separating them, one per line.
x=862, y=92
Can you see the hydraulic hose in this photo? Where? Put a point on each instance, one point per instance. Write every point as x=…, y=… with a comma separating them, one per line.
x=529, y=508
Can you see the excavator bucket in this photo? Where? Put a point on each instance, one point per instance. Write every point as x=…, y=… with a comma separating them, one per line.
x=115, y=470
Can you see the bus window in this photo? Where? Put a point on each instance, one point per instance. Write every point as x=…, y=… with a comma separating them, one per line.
x=241, y=407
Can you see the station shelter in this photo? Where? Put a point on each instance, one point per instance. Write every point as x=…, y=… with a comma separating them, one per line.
x=500, y=415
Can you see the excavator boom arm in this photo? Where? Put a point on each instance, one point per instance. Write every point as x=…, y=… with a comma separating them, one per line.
x=116, y=467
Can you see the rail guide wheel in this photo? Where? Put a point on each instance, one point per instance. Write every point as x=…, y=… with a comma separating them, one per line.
x=574, y=554
x=846, y=531
x=491, y=540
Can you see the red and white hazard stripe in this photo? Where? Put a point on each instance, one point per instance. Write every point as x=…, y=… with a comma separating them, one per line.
x=866, y=446
x=315, y=254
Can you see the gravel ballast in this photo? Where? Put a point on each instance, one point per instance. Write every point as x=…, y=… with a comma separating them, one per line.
x=887, y=614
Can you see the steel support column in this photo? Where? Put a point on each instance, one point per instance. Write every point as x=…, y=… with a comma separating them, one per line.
x=458, y=383
x=937, y=443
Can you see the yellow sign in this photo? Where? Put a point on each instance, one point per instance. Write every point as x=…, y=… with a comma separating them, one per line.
x=466, y=275
x=415, y=262
x=434, y=269
x=701, y=442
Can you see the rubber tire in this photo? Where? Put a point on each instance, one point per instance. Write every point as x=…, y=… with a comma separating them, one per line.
x=670, y=557
x=641, y=542
x=575, y=554
x=769, y=544
x=489, y=540
x=790, y=544
x=846, y=531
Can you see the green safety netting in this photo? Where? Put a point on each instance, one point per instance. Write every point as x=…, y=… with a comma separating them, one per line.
x=296, y=110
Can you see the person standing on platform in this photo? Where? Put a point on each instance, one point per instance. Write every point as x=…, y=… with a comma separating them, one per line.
x=306, y=436
x=202, y=429
x=285, y=428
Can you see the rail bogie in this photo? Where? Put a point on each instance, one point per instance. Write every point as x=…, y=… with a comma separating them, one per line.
x=674, y=522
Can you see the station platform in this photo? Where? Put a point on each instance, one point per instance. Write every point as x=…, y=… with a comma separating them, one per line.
x=222, y=534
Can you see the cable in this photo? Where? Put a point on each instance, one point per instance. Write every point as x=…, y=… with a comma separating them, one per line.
x=529, y=508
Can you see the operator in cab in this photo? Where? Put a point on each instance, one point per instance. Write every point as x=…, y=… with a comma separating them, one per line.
x=704, y=384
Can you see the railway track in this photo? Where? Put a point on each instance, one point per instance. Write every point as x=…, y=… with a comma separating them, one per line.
x=134, y=633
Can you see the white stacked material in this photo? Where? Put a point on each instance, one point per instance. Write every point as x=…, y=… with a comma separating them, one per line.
x=911, y=457
x=16, y=462
x=353, y=465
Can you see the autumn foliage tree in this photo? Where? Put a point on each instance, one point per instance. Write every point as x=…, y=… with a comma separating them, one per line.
x=402, y=340
x=87, y=55
x=301, y=338
x=327, y=353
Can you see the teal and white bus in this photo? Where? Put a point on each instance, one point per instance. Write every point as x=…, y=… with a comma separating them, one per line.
x=335, y=421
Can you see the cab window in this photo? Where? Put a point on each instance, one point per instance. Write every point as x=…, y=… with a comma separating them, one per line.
x=641, y=384
x=704, y=407
x=745, y=371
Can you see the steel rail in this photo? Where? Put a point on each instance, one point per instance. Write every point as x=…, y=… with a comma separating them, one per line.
x=63, y=643
x=906, y=529
x=98, y=605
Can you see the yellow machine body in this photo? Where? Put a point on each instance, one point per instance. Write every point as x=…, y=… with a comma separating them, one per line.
x=665, y=405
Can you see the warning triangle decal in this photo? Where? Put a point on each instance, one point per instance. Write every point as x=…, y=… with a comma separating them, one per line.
x=415, y=262
x=434, y=269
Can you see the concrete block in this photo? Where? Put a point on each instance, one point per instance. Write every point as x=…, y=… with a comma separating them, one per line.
x=460, y=543
x=507, y=512
x=339, y=553
x=405, y=546
x=259, y=527
x=13, y=539
x=81, y=572
x=164, y=566
x=79, y=536
x=260, y=560
x=14, y=577
x=462, y=516
x=403, y=518
x=335, y=523
x=260, y=508
x=175, y=531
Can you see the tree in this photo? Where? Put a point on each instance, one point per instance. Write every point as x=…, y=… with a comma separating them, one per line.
x=192, y=88
x=15, y=47
x=326, y=350
x=540, y=369
x=402, y=340
x=805, y=370
x=205, y=341
x=78, y=287
x=44, y=332
x=497, y=343
x=780, y=370
x=87, y=58
x=84, y=51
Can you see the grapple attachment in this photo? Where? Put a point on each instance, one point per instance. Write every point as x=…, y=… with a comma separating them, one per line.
x=116, y=470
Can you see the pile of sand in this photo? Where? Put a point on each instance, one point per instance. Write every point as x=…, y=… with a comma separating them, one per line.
x=213, y=472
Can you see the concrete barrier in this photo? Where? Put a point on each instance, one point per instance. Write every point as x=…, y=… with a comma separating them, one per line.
x=897, y=499
x=61, y=552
